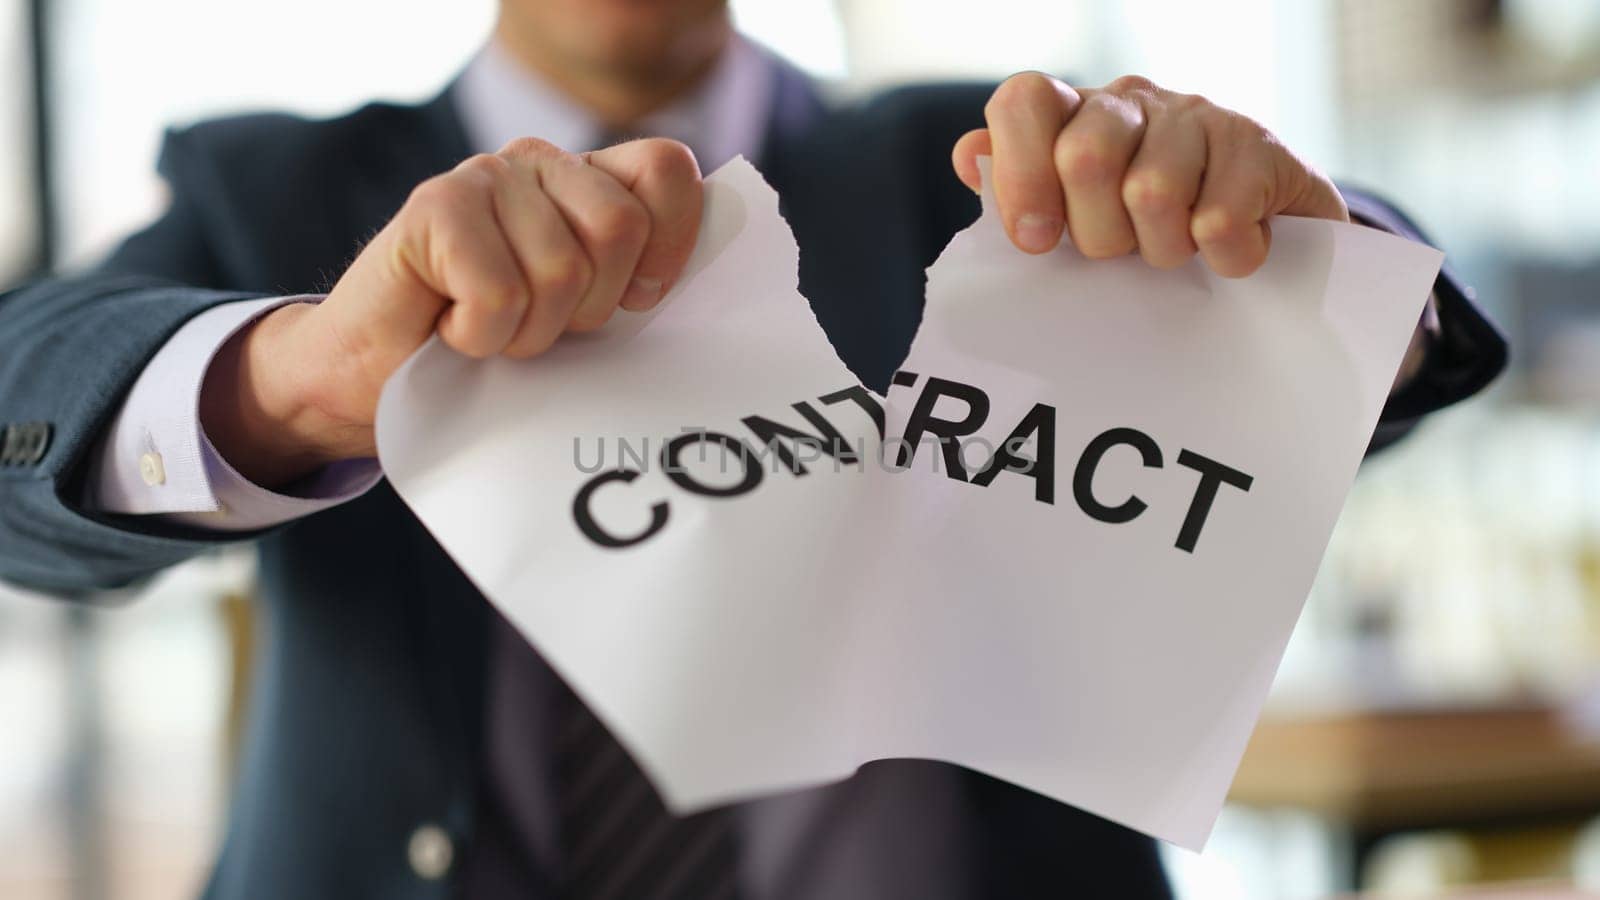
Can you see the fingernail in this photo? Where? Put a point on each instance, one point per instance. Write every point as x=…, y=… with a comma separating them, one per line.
x=641, y=293
x=1036, y=233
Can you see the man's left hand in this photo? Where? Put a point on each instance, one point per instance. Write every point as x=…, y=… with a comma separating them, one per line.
x=1133, y=166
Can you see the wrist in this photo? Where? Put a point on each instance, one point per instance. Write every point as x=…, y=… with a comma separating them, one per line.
x=258, y=402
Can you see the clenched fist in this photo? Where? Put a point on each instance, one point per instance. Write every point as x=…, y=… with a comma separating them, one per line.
x=499, y=256
x=1135, y=167
x=509, y=250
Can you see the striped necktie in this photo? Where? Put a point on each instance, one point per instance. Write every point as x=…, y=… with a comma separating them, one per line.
x=619, y=841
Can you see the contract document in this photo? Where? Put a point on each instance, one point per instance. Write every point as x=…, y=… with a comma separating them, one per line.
x=1066, y=548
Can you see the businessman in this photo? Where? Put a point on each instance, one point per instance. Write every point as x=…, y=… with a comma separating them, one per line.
x=216, y=380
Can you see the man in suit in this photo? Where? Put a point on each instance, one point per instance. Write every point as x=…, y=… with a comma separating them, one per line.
x=199, y=388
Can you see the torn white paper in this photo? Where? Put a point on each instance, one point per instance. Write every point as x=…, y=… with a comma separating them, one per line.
x=1083, y=588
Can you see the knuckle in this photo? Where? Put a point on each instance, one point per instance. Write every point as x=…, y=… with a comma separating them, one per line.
x=446, y=197
x=567, y=275
x=1216, y=223
x=1104, y=103
x=498, y=297
x=1084, y=160
x=430, y=194
x=670, y=158
x=1152, y=192
x=1132, y=84
x=480, y=173
x=1189, y=103
x=1024, y=90
x=1118, y=111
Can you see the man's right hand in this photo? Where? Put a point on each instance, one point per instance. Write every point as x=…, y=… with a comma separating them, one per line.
x=499, y=256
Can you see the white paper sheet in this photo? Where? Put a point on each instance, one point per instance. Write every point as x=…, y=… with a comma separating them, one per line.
x=781, y=635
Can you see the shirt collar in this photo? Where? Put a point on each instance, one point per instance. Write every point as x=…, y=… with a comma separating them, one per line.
x=500, y=100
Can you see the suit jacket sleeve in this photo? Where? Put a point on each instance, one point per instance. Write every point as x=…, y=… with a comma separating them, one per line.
x=70, y=349
x=1468, y=352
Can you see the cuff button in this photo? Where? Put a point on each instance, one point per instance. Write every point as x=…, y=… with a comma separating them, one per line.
x=151, y=469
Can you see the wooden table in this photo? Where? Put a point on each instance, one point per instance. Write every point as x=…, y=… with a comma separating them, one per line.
x=1392, y=770
x=1514, y=892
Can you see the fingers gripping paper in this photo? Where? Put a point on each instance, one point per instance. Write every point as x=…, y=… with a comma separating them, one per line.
x=1066, y=549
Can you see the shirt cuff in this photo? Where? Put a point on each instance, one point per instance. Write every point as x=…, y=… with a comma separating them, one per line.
x=155, y=458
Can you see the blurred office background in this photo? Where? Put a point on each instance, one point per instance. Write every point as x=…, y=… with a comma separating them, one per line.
x=1436, y=722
